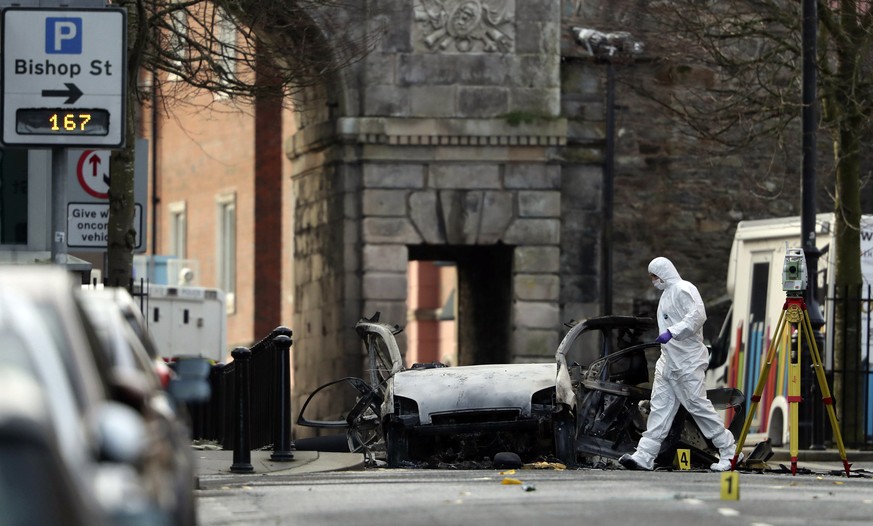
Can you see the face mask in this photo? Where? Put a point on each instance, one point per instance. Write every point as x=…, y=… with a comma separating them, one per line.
x=658, y=283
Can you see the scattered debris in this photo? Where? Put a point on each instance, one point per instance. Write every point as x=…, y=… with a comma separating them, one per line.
x=510, y=481
x=205, y=445
x=546, y=465
x=785, y=469
x=507, y=460
x=859, y=473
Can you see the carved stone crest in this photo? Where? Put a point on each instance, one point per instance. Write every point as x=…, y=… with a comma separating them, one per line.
x=464, y=26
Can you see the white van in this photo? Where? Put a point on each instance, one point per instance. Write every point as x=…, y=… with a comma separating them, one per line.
x=754, y=285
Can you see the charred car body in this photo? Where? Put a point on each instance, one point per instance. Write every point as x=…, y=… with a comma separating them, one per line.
x=430, y=414
x=612, y=396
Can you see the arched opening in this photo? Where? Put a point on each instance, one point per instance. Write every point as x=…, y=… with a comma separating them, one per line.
x=479, y=300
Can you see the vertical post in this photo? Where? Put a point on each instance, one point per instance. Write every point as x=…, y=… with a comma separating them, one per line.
x=283, y=445
x=242, y=455
x=811, y=418
x=607, y=204
x=59, y=206
x=608, y=178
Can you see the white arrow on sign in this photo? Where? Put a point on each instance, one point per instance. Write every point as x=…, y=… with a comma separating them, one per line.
x=92, y=171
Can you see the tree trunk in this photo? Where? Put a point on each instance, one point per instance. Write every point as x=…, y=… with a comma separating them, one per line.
x=121, y=233
x=847, y=343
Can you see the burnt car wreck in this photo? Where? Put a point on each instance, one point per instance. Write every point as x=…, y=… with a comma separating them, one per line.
x=612, y=396
x=431, y=415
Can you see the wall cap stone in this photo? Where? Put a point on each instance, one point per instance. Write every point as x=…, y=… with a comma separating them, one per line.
x=430, y=132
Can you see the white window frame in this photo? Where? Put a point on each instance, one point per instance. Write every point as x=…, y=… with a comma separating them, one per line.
x=226, y=260
x=179, y=22
x=226, y=37
x=178, y=229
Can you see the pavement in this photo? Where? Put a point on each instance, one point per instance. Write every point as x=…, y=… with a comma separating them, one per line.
x=216, y=463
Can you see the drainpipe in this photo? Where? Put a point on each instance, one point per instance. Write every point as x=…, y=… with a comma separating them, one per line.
x=154, y=151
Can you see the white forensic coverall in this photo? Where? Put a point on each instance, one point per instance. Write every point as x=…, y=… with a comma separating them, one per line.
x=679, y=372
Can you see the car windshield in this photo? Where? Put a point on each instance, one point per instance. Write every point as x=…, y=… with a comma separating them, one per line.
x=595, y=338
x=380, y=359
x=12, y=355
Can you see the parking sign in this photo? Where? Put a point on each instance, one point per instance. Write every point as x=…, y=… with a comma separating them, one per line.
x=63, y=35
x=64, y=77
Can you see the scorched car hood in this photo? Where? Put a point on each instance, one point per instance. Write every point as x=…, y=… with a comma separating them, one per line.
x=468, y=388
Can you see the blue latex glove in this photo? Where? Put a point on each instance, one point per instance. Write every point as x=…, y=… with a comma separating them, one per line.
x=664, y=337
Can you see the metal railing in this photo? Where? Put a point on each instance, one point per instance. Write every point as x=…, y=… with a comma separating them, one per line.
x=854, y=377
x=268, y=396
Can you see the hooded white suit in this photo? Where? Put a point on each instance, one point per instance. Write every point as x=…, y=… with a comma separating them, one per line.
x=679, y=372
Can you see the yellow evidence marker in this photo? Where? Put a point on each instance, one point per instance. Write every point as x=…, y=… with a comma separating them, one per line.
x=730, y=485
x=683, y=459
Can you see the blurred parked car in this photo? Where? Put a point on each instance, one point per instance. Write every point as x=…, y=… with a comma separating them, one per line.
x=126, y=348
x=100, y=375
x=80, y=450
x=131, y=311
x=37, y=486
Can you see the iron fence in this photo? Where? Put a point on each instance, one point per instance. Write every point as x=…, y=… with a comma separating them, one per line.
x=215, y=419
x=852, y=380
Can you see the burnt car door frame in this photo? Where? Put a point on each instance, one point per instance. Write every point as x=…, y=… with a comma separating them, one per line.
x=363, y=422
x=601, y=402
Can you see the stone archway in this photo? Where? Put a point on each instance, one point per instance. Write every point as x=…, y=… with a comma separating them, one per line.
x=440, y=138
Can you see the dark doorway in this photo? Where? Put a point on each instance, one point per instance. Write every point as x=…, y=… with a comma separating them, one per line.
x=484, y=298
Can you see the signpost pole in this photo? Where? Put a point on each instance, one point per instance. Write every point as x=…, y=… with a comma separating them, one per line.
x=59, y=205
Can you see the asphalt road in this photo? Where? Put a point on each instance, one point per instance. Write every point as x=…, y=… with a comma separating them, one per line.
x=383, y=497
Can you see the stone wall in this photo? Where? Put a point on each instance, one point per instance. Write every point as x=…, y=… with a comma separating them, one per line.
x=492, y=131
x=446, y=135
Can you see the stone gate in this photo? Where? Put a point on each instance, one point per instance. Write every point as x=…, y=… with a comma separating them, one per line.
x=447, y=142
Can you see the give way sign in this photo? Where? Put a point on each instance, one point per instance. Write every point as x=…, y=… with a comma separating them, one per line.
x=88, y=178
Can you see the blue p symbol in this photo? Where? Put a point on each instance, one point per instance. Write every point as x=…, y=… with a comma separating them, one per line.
x=63, y=36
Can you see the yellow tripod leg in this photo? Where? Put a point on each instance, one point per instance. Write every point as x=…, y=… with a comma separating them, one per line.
x=759, y=388
x=794, y=400
x=826, y=398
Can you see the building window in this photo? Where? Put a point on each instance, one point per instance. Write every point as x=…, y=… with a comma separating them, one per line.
x=178, y=229
x=13, y=197
x=178, y=40
x=227, y=249
x=226, y=37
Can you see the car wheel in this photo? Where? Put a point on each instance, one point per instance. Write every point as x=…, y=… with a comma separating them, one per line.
x=396, y=445
x=564, y=428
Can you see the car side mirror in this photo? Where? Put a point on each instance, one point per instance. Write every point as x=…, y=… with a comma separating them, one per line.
x=121, y=432
x=191, y=383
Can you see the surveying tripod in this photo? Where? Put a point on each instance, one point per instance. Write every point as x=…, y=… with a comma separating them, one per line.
x=794, y=311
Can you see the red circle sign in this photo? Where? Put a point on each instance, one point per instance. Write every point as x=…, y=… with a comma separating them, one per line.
x=92, y=171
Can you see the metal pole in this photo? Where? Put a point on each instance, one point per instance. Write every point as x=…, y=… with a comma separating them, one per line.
x=811, y=428
x=608, y=176
x=59, y=206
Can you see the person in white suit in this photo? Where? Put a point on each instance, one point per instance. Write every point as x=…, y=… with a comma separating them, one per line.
x=679, y=372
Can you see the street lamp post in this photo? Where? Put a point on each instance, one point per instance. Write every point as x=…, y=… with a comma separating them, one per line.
x=608, y=48
x=811, y=419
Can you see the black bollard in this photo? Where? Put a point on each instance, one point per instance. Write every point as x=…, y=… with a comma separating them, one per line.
x=283, y=445
x=242, y=455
